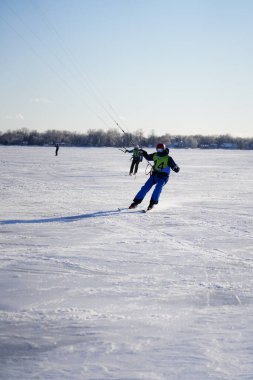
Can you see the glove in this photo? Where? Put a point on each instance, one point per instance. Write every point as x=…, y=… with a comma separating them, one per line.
x=143, y=151
x=176, y=169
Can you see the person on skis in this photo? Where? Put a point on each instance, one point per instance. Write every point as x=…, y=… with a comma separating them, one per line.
x=159, y=175
x=136, y=159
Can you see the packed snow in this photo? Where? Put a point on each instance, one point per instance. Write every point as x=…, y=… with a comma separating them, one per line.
x=88, y=292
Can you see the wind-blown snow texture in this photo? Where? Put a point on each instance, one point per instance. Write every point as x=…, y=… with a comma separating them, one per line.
x=87, y=292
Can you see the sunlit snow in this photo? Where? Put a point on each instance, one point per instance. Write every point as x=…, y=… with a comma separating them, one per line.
x=91, y=293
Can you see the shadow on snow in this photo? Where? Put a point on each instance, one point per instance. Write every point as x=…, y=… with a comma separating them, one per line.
x=67, y=219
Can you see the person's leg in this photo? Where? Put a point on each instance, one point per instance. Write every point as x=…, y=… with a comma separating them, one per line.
x=131, y=167
x=157, y=190
x=136, y=167
x=144, y=190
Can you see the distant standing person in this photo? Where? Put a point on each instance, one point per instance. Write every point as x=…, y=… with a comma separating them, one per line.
x=136, y=159
x=159, y=175
x=56, y=149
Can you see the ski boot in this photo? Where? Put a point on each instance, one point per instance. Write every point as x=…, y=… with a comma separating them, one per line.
x=150, y=206
x=133, y=205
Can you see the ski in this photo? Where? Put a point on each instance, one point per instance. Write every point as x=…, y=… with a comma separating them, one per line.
x=147, y=210
x=128, y=209
x=134, y=210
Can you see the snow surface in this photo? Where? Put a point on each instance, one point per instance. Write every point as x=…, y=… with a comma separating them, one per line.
x=87, y=292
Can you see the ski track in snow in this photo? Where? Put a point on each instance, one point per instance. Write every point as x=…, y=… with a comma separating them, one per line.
x=90, y=292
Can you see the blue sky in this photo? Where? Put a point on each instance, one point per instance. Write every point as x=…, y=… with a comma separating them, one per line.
x=178, y=67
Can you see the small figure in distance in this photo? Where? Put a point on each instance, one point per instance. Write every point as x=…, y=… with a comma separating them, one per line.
x=159, y=175
x=136, y=159
x=56, y=149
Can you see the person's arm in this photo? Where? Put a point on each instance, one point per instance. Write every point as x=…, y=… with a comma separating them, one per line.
x=173, y=165
x=148, y=157
x=129, y=151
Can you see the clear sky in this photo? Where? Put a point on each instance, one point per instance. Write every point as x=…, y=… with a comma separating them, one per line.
x=168, y=66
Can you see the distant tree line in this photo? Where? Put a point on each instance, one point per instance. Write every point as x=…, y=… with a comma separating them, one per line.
x=116, y=138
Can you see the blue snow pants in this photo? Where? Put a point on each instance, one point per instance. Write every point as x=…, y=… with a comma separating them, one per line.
x=158, y=181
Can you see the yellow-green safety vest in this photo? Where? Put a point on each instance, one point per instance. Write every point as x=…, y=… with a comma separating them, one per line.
x=136, y=153
x=161, y=164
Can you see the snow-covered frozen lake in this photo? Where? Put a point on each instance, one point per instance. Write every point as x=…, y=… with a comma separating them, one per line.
x=90, y=293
